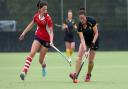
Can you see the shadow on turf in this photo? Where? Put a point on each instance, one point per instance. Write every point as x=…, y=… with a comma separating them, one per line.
x=67, y=82
x=45, y=82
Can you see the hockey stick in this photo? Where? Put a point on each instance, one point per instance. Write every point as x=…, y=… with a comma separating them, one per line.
x=86, y=57
x=61, y=54
x=58, y=25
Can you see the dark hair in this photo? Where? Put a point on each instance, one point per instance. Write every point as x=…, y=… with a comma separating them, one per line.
x=82, y=11
x=41, y=3
x=82, y=8
x=69, y=10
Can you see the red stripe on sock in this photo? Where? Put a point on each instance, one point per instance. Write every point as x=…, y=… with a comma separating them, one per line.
x=27, y=64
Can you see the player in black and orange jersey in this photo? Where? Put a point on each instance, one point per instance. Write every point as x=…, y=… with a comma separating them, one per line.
x=69, y=26
x=89, y=38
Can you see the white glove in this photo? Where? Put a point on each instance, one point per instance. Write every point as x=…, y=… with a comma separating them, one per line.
x=51, y=44
x=86, y=53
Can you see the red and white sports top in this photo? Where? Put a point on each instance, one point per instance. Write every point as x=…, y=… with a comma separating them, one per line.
x=43, y=23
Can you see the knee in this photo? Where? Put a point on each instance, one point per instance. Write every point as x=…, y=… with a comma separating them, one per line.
x=32, y=55
x=79, y=59
x=91, y=62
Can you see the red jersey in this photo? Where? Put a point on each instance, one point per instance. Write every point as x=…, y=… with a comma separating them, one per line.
x=43, y=23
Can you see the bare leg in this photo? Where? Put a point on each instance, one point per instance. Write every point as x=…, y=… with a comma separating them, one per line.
x=67, y=44
x=79, y=59
x=35, y=47
x=90, y=65
x=78, y=64
x=91, y=61
x=72, y=47
x=43, y=52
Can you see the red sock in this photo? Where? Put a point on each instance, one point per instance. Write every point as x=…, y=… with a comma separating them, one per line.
x=27, y=64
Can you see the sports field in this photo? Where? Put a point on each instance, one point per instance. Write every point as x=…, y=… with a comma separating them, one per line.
x=110, y=72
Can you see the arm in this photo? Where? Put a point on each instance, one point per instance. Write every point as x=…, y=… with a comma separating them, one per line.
x=49, y=28
x=95, y=29
x=64, y=26
x=81, y=36
x=82, y=40
x=51, y=34
x=75, y=26
x=26, y=30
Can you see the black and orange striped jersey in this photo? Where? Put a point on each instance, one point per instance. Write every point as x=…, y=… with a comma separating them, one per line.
x=69, y=32
x=88, y=32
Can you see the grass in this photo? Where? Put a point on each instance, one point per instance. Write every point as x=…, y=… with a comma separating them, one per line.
x=110, y=72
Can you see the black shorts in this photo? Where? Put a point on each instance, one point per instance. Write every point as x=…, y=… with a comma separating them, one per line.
x=42, y=42
x=96, y=45
x=68, y=39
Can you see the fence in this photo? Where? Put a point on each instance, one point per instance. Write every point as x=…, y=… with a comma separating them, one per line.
x=114, y=40
x=111, y=15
